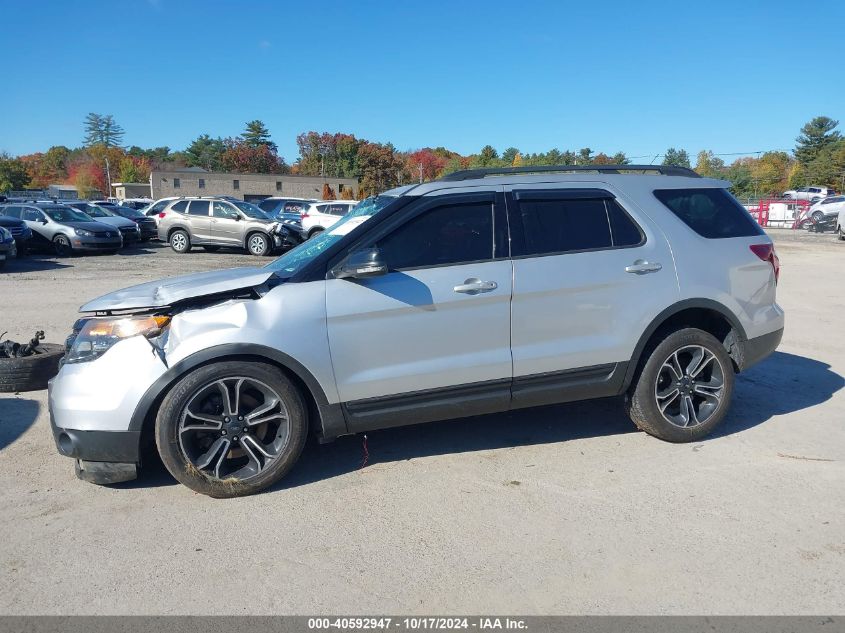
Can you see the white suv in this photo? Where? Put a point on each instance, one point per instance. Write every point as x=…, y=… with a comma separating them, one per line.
x=812, y=194
x=485, y=291
x=318, y=216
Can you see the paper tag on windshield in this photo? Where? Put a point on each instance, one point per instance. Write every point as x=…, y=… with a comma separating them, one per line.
x=350, y=224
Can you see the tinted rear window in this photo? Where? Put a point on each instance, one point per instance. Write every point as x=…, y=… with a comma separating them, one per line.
x=199, y=207
x=712, y=213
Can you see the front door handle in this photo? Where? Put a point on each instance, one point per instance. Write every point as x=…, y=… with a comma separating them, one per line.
x=642, y=267
x=473, y=286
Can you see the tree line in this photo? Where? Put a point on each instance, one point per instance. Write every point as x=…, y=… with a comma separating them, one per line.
x=818, y=158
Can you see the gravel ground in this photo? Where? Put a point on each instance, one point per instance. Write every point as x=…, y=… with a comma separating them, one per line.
x=559, y=510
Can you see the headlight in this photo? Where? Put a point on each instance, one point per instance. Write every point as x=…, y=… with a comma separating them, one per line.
x=5, y=236
x=83, y=233
x=93, y=337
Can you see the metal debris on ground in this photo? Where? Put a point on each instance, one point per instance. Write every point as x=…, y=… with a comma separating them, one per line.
x=10, y=349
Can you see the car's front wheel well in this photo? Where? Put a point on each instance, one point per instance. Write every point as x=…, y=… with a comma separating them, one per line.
x=315, y=422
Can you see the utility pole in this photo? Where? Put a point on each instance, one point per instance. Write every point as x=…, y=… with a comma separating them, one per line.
x=421, y=170
x=108, y=178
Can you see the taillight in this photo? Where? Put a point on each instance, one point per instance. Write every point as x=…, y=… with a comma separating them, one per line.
x=767, y=253
x=303, y=215
x=162, y=214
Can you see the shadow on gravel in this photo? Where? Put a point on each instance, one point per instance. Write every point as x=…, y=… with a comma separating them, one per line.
x=35, y=262
x=782, y=384
x=16, y=416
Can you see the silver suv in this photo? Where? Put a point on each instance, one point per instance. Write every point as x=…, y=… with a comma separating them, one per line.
x=485, y=291
x=215, y=222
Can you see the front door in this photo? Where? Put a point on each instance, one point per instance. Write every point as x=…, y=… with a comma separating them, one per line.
x=436, y=326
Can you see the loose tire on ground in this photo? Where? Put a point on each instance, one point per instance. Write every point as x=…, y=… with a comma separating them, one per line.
x=642, y=402
x=30, y=373
x=174, y=424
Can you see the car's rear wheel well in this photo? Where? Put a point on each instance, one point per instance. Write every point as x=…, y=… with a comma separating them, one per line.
x=314, y=418
x=709, y=320
x=172, y=230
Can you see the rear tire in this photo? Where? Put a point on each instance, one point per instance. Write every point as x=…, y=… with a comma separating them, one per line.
x=180, y=241
x=684, y=389
x=62, y=246
x=314, y=232
x=201, y=438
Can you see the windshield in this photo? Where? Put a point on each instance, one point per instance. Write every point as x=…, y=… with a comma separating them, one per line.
x=94, y=211
x=250, y=210
x=297, y=258
x=129, y=212
x=66, y=214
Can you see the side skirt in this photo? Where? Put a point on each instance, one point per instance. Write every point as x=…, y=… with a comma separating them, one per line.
x=481, y=398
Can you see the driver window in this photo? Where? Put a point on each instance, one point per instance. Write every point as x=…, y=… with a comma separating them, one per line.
x=223, y=211
x=450, y=234
x=32, y=215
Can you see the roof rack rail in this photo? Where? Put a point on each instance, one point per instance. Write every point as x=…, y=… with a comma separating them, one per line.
x=663, y=170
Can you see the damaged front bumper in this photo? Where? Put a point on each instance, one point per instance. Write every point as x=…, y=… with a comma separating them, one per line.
x=91, y=406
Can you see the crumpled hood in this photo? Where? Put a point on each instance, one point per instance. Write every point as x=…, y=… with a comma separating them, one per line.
x=166, y=292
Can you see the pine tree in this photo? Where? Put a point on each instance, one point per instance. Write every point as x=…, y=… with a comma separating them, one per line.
x=816, y=134
x=257, y=134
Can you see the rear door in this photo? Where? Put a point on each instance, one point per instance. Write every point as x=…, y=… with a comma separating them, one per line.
x=199, y=220
x=226, y=224
x=437, y=325
x=590, y=274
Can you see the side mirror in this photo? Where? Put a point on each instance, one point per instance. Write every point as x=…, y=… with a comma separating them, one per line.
x=43, y=220
x=362, y=265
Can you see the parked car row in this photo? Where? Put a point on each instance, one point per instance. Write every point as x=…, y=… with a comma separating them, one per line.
x=74, y=226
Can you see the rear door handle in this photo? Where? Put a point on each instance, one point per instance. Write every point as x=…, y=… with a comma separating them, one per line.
x=642, y=267
x=473, y=286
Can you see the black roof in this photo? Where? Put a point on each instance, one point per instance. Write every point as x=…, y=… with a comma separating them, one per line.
x=663, y=170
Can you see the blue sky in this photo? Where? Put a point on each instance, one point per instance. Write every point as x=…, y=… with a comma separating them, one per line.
x=739, y=76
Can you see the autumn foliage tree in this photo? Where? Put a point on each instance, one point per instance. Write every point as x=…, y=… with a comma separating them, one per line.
x=243, y=158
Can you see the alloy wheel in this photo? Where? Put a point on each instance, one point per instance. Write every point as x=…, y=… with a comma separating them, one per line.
x=257, y=245
x=62, y=246
x=690, y=386
x=178, y=242
x=234, y=428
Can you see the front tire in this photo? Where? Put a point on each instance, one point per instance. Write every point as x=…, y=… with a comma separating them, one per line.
x=258, y=244
x=232, y=428
x=180, y=241
x=62, y=246
x=684, y=389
